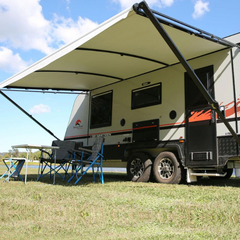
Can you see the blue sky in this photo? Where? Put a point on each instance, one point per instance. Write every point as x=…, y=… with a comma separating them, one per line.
x=32, y=29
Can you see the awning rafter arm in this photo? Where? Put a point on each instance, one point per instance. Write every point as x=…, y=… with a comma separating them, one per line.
x=215, y=106
x=36, y=90
x=122, y=54
x=80, y=72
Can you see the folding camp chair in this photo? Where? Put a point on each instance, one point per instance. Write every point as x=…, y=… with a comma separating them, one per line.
x=89, y=159
x=14, y=167
x=62, y=160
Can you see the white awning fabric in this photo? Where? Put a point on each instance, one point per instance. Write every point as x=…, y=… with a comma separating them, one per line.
x=125, y=46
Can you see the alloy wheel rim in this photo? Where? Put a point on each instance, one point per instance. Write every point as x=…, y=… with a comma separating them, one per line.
x=137, y=167
x=166, y=168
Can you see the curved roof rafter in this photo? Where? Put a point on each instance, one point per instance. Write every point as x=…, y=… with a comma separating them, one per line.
x=122, y=54
x=81, y=72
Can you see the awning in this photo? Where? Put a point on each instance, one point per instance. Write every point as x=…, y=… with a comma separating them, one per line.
x=121, y=48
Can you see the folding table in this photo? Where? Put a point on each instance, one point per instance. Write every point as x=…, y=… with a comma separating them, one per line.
x=14, y=167
x=40, y=147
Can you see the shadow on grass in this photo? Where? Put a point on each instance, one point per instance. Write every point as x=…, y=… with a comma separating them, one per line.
x=122, y=177
x=86, y=180
x=220, y=182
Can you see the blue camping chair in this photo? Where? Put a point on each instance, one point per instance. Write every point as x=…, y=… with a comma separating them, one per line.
x=14, y=167
x=64, y=155
x=89, y=160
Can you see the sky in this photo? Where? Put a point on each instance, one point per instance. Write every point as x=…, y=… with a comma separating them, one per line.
x=32, y=29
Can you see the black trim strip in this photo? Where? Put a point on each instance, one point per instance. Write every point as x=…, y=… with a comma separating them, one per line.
x=172, y=127
x=80, y=72
x=121, y=133
x=229, y=120
x=123, y=54
x=235, y=98
x=75, y=138
x=234, y=91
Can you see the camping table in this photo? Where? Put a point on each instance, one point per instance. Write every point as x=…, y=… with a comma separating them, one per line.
x=40, y=147
x=14, y=166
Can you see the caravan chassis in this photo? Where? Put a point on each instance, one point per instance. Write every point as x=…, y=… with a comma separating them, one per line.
x=167, y=159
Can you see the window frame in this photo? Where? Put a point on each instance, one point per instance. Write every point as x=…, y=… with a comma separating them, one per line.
x=107, y=123
x=150, y=103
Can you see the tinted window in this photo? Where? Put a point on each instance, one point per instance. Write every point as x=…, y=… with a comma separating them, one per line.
x=101, y=110
x=194, y=98
x=147, y=96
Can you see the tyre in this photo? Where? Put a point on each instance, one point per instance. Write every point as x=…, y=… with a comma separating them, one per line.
x=139, y=167
x=229, y=173
x=167, y=169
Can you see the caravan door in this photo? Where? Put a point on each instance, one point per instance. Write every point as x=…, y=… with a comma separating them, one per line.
x=200, y=121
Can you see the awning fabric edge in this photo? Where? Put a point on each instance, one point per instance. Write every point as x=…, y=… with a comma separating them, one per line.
x=67, y=48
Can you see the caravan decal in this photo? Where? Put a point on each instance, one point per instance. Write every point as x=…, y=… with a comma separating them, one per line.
x=230, y=109
x=78, y=124
x=202, y=115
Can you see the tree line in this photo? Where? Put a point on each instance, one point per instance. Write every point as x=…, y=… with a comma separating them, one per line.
x=17, y=154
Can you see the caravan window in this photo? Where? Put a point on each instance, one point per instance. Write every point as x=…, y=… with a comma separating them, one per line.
x=101, y=110
x=147, y=96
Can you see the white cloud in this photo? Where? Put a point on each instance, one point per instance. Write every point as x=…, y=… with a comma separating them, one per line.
x=23, y=26
x=27, y=28
x=39, y=109
x=159, y=3
x=167, y=3
x=200, y=8
x=10, y=62
x=65, y=30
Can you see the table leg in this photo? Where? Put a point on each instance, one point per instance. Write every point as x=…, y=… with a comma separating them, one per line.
x=54, y=166
x=26, y=166
x=10, y=167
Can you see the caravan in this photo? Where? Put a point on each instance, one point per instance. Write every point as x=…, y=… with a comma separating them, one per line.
x=162, y=93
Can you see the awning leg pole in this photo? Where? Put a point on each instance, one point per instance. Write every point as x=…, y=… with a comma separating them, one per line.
x=30, y=116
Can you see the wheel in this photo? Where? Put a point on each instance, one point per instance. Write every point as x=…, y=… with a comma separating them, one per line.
x=139, y=167
x=167, y=169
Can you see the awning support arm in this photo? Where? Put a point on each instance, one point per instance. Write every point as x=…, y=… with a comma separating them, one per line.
x=215, y=106
x=36, y=121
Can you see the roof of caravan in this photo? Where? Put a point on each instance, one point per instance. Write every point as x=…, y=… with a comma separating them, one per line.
x=121, y=48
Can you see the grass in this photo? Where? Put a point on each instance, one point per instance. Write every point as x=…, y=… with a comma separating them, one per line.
x=118, y=209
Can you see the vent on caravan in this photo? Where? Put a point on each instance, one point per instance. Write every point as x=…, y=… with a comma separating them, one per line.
x=201, y=156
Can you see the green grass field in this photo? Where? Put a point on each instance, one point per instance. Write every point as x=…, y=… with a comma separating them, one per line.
x=118, y=209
